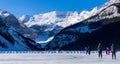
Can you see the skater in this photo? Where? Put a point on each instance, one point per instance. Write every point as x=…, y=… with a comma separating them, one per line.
x=89, y=50
x=86, y=50
x=108, y=51
x=113, y=50
x=99, y=50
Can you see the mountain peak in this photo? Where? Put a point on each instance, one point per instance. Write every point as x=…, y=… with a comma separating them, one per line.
x=3, y=11
x=4, y=14
x=114, y=0
x=24, y=18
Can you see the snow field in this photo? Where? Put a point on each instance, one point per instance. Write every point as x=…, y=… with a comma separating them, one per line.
x=55, y=57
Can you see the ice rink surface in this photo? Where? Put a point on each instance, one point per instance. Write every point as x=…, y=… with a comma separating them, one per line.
x=57, y=58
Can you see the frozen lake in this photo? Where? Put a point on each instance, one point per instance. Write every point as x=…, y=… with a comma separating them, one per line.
x=57, y=58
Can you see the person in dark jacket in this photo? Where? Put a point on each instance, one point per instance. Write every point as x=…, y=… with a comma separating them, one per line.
x=99, y=50
x=89, y=50
x=113, y=50
x=86, y=50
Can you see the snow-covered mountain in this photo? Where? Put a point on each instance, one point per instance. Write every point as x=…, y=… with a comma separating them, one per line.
x=62, y=19
x=101, y=27
x=12, y=34
x=47, y=25
x=12, y=40
x=24, y=18
x=11, y=21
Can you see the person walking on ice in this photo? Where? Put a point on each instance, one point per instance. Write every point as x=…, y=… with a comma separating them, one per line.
x=99, y=50
x=113, y=50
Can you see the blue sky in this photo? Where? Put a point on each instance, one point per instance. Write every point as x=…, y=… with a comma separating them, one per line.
x=31, y=7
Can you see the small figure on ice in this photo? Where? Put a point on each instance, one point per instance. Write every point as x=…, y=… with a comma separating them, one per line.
x=87, y=50
x=108, y=51
x=113, y=50
x=99, y=50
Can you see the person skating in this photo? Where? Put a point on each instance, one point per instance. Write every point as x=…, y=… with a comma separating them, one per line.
x=99, y=50
x=89, y=50
x=86, y=50
x=108, y=51
x=113, y=50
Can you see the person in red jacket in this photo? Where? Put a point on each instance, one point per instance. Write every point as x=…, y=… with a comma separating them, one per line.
x=108, y=51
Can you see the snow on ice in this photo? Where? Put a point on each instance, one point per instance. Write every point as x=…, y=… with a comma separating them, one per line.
x=65, y=57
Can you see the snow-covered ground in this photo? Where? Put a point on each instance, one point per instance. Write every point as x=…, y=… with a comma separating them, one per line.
x=57, y=58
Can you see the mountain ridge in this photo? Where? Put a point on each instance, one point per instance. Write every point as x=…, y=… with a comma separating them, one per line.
x=52, y=22
x=77, y=34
